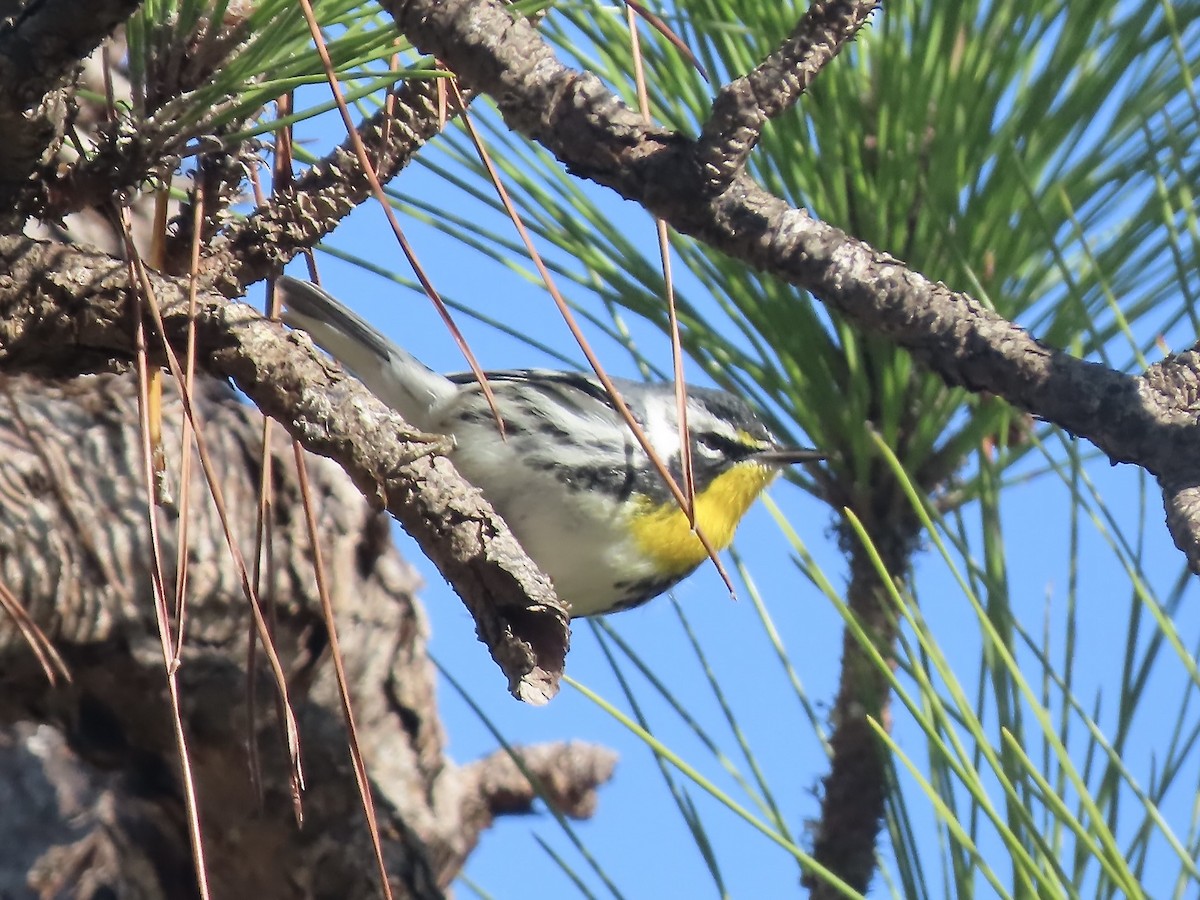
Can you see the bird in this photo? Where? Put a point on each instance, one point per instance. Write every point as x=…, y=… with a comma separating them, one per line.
x=567, y=474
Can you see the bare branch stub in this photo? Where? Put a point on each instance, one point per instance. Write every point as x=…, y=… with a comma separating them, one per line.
x=746, y=104
x=565, y=776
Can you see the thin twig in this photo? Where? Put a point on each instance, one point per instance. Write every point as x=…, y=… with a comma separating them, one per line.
x=142, y=282
x=170, y=661
x=410, y=254
x=664, y=255
x=664, y=29
x=361, y=778
x=48, y=658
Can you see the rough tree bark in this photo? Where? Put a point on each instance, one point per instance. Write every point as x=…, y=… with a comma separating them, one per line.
x=89, y=780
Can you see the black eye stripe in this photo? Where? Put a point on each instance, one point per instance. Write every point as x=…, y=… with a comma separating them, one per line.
x=724, y=444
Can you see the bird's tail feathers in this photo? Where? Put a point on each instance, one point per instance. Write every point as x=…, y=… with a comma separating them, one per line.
x=394, y=375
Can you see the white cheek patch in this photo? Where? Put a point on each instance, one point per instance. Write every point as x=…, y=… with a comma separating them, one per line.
x=662, y=428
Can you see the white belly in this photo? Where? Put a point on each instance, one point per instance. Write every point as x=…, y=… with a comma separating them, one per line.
x=584, y=546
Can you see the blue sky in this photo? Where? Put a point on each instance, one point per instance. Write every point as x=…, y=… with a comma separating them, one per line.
x=637, y=834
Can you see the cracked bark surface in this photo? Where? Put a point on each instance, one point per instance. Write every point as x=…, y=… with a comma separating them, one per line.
x=89, y=766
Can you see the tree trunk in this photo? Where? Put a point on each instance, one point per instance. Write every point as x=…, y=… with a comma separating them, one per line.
x=90, y=783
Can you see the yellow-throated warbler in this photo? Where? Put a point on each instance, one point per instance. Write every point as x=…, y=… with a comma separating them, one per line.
x=568, y=476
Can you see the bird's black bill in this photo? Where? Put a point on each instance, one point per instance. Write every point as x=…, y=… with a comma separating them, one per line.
x=788, y=456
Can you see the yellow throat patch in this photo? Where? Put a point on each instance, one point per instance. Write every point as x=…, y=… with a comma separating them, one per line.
x=662, y=532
